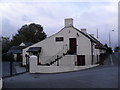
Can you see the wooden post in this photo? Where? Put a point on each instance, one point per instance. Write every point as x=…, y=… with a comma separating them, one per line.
x=11, y=64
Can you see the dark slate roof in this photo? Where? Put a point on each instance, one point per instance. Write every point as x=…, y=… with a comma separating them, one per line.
x=101, y=46
x=27, y=43
x=34, y=49
x=93, y=39
x=85, y=34
x=16, y=49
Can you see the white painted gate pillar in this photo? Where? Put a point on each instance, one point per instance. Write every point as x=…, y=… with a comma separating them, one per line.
x=33, y=64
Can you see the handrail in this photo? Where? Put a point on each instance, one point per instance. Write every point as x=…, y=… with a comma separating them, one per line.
x=58, y=58
x=59, y=54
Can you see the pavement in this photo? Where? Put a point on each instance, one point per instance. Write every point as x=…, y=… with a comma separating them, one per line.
x=103, y=76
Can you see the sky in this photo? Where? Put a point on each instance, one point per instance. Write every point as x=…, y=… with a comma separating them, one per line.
x=119, y=24
x=90, y=15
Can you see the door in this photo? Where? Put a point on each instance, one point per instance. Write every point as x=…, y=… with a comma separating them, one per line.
x=73, y=45
x=19, y=57
x=80, y=60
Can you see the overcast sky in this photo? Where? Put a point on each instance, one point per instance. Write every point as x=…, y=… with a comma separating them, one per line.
x=51, y=15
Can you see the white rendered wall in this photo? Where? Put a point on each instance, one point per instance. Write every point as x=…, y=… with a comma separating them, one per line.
x=1, y=84
x=22, y=44
x=95, y=53
x=68, y=60
x=15, y=57
x=50, y=47
x=88, y=59
x=33, y=64
x=83, y=46
x=34, y=68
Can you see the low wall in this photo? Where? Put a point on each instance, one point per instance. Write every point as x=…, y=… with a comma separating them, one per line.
x=0, y=83
x=34, y=68
x=56, y=69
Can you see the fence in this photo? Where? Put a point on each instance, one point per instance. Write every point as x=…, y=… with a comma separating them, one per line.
x=12, y=67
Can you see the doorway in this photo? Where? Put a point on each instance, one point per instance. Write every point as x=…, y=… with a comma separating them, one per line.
x=73, y=45
x=80, y=60
x=19, y=57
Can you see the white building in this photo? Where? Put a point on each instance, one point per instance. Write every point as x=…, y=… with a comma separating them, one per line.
x=68, y=47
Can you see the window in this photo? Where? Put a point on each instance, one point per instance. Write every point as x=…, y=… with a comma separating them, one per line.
x=59, y=39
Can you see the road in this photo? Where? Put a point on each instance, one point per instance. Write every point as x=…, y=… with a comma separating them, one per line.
x=104, y=76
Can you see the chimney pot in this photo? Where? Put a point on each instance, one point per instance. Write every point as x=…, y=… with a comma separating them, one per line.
x=84, y=30
x=92, y=35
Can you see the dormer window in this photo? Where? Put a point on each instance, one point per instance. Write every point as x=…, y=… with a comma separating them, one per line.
x=59, y=39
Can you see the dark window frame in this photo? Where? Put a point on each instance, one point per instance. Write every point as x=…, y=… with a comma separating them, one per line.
x=59, y=39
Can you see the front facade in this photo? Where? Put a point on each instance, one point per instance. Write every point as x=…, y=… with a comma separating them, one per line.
x=68, y=47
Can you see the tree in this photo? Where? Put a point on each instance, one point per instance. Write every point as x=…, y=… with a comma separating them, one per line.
x=108, y=49
x=5, y=44
x=29, y=33
x=106, y=46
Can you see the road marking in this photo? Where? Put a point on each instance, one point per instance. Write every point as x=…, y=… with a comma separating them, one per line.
x=111, y=60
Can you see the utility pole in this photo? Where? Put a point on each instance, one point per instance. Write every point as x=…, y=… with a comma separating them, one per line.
x=97, y=33
x=110, y=39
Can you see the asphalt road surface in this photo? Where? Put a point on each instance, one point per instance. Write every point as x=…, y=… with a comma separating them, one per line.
x=104, y=76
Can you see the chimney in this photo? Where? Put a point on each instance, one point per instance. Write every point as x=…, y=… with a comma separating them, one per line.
x=84, y=30
x=68, y=22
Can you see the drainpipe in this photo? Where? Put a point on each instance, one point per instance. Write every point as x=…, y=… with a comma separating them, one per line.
x=37, y=59
x=92, y=52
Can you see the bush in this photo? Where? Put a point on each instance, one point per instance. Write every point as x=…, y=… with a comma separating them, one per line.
x=103, y=57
